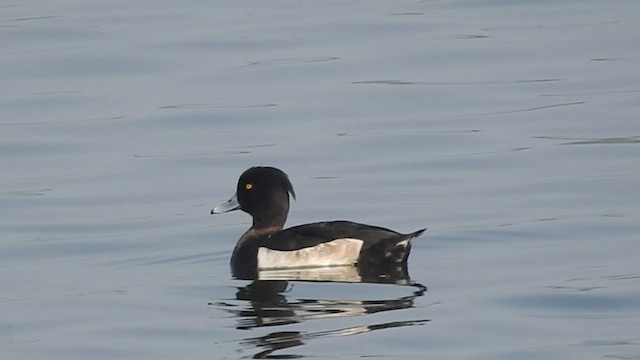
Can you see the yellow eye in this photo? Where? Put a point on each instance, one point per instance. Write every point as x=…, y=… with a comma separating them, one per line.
x=248, y=186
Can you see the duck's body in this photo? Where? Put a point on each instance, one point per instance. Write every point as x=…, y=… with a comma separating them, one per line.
x=264, y=192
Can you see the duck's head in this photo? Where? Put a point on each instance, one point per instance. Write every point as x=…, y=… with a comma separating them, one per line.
x=263, y=192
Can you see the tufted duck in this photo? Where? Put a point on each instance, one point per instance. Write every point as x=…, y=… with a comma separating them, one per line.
x=263, y=192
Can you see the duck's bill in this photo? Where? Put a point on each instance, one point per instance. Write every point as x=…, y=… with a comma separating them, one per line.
x=229, y=205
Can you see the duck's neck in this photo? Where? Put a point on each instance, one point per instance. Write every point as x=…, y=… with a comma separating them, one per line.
x=272, y=213
x=271, y=220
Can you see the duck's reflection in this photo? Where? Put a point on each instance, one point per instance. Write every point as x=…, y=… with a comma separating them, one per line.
x=288, y=339
x=267, y=301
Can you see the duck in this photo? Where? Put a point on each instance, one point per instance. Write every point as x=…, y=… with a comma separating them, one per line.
x=264, y=193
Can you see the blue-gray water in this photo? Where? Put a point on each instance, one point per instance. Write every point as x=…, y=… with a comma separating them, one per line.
x=510, y=129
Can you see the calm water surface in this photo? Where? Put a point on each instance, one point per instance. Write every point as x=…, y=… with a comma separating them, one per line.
x=508, y=128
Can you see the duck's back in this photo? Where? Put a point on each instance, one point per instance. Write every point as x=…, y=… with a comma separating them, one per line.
x=310, y=235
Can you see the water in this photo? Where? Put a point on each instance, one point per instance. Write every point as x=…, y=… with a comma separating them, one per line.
x=510, y=129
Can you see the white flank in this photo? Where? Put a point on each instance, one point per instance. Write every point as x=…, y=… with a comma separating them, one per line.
x=333, y=253
x=347, y=273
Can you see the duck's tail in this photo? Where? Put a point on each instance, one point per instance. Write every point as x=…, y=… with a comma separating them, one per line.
x=415, y=234
x=399, y=251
